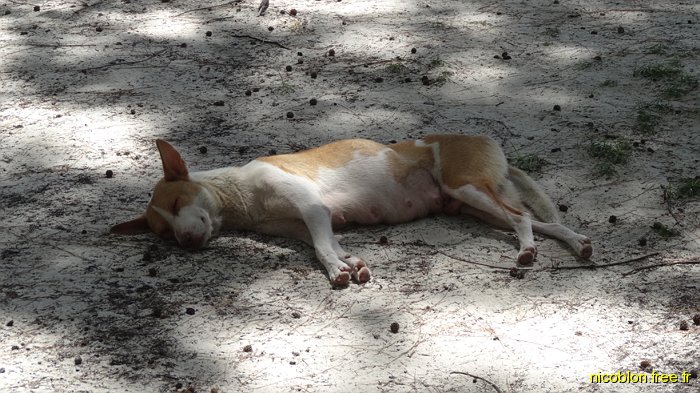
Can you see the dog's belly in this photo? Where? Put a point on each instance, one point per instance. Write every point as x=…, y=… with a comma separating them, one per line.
x=374, y=197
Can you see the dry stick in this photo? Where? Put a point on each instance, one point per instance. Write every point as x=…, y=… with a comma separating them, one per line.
x=635, y=259
x=557, y=268
x=125, y=63
x=472, y=262
x=259, y=39
x=493, y=385
x=206, y=8
x=685, y=262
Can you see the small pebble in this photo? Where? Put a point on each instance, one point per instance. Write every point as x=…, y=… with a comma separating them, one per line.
x=505, y=56
x=557, y=108
x=78, y=361
x=218, y=103
x=300, y=54
x=644, y=364
x=256, y=89
x=563, y=208
x=331, y=52
x=300, y=61
x=642, y=242
x=98, y=29
x=296, y=315
x=10, y=323
x=414, y=50
x=203, y=149
x=425, y=80
x=208, y=33
x=178, y=385
x=248, y=92
x=37, y=8
x=621, y=30
x=290, y=115
x=133, y=111
x=183, y=45
x=684, y=325
x=594, y=32
x=272, y=152
x=109, y=174
x=248, y=348
x=696, y=320
x=152, y=272
x=293, y=12
x=379, y=79
x=189, y=311
x=2, y=370
x=313, y=101
x=288, y=68
x=313, y=74
x=270, y=28
x=394, y=327
x=612, y=219
x=383, y=240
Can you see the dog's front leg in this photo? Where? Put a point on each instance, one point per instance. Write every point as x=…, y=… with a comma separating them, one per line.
x=339, y=264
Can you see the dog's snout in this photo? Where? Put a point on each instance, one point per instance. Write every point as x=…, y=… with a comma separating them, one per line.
x=189, y=240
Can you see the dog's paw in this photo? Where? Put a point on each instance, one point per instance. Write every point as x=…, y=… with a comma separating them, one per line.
x=360, y=272
x=341, y=280
x=585, y=248
x=527, y=255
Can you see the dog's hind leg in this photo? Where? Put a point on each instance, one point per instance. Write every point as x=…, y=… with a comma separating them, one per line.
x=580, y=243
x=483, y=199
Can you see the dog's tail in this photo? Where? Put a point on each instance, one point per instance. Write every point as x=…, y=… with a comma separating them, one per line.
x=532, y=195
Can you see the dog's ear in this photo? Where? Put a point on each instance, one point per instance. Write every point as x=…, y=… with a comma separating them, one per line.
x=133, y=227
x=174, y=167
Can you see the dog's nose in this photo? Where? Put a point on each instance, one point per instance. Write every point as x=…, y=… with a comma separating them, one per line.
x=188, y=240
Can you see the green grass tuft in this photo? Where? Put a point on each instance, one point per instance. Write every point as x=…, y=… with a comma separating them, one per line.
x=396, y=68
x=529, y=162
x=609, y=154
x=688, y=188
x=671, y=68
x=664, y=231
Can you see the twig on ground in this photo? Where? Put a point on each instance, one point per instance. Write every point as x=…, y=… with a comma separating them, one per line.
x=493, y=385
x=114, y=64
x=671, y=263
x=205, y=8
x=259, y=39
x=635, y=259
x=472, y=262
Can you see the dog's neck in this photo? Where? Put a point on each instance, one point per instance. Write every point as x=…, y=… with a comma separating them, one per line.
x=231, y=199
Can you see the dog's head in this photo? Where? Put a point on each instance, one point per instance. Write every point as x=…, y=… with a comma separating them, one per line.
x=179, y=207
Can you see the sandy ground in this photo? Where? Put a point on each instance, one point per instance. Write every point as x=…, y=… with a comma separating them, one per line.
x=87, y=86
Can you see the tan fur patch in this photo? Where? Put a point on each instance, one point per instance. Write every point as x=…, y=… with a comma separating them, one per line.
x=170, y=196
x=410, y=158
x=307, y=163
x=476, y=160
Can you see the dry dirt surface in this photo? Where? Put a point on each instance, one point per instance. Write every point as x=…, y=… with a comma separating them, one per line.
x=597, y=99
